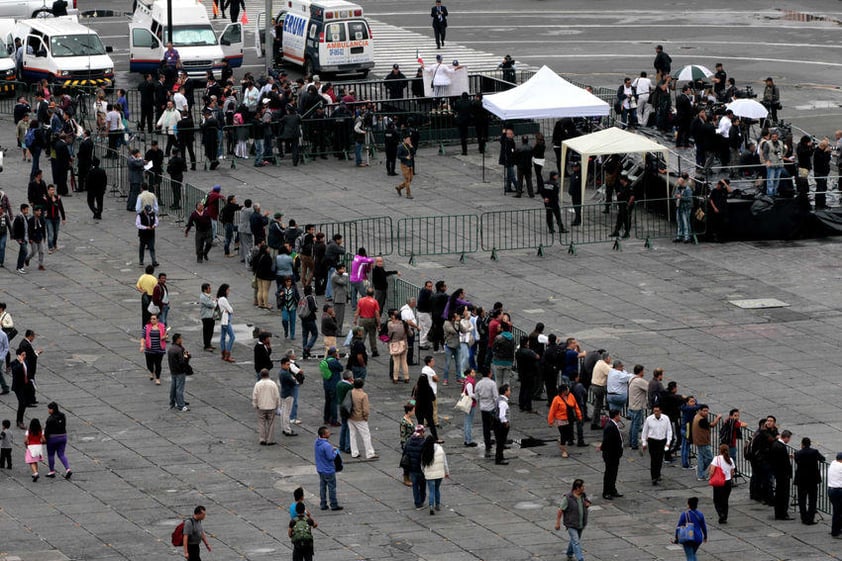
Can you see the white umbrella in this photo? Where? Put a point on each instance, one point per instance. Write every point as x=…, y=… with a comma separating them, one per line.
x=693, y=72
x=748, y=108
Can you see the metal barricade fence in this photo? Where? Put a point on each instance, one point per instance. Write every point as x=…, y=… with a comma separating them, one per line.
x=456, y=234
x=375, y=234
x=514, y=229
x=598, y=222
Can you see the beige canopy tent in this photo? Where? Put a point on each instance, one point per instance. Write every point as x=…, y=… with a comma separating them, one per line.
x=610, y=141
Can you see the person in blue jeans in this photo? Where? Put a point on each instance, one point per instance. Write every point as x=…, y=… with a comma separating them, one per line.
x=325, y=454
x=688, y=411
x=412, y=449
x=692, y=516
x=700, y=436
x=309, y=331
x=573, y=511
x=434, y=467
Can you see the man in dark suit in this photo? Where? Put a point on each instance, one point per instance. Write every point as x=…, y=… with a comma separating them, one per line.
x=439, y=15
x=612, y=451
x=31, y=364
x=807, y=479
x=263, y=353
x=21, y=385
x=782, y=470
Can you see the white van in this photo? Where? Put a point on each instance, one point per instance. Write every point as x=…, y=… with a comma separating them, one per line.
x=323, y=36
x=193, y=37
x=8, y=70
x=23, y=9
x=62, y=50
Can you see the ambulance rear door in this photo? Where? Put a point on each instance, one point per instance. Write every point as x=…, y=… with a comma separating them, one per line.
x=231, y=43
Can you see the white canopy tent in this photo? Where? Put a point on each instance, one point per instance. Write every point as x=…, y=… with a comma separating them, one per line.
x=545, y=96
x=610, y=141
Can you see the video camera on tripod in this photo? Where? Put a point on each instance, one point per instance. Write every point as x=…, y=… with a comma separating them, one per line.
x=745, y=93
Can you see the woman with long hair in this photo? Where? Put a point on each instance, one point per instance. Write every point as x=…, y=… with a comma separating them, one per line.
x=287, y=301
x=424, y=398
x=226, y=330
x=721, y=494
x=34, y=441
x=692, y=516
x=434, y=467
x=55, y=433
x=153, y=344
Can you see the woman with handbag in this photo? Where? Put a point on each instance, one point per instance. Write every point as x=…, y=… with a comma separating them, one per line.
x=153, y=345
x=721, y=471
x=691, y=530
x=34, y=447
x=564, y=412
x=468, y=392
x=398, y=339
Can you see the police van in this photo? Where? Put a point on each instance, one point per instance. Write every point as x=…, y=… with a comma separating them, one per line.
x=323, y=36
x=63, y=51
x=198, y=45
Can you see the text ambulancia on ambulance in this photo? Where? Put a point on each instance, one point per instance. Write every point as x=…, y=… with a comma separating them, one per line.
x=199, y=48
x=323, y=36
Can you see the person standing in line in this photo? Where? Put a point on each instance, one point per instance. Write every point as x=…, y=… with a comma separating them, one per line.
x=502, y=424
x=412, y=450
x=692, y=516
x=657, y=435
x=574, y=511
x=700, y=436
x=266, y=398
x=612, y=451
x=161, y=297
x=226, y=329
x=439, y=15
x=55, y=435
x=331, y=371
x=434, y=467
x=638, y=399
x=179, y=362
x=782, y=470
x=360, y=268
x=194, y=535
x=146, y=284
x=326, y=468
x=153, y=345
x=339, y=284
x=366, y=316
x=204, y=229
x=469, y=381
x=358, y=421
x=345, y=385
x=722, y=493
x=834, y=492
x=207, y=307
x=807, y=479
x=288, y=385
x=486, y=394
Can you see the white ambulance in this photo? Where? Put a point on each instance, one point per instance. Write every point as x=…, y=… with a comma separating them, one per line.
x=323, y=36
x=63, y=51
x=198, y=46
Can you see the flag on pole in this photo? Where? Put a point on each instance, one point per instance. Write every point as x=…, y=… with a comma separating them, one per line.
x=418, y=56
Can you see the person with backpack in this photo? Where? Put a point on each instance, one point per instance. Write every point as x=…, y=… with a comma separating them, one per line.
x=301, y=534
x=331, y=370
x=193, y=535
x=691, y=530
x=503, y=354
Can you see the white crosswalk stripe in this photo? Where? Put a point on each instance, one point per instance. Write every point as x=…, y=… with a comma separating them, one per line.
x=396, y=45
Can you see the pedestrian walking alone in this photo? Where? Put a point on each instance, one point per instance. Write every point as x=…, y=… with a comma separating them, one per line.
x=691, y=517
x=721, y=493
x=434, y=467
x=573, y=511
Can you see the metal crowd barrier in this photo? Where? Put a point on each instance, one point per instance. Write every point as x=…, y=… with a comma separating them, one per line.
x=374, y=234
x=514, y=229
x=456, y=234
x=656, y=219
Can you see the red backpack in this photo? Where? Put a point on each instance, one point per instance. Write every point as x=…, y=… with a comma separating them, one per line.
x=178, y=535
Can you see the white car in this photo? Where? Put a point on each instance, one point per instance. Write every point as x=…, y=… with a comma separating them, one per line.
x=24, y=9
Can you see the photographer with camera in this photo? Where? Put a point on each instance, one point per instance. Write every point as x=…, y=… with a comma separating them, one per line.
x=772, y=98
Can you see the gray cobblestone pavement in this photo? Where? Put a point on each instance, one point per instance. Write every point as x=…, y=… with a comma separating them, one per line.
x=139, y=467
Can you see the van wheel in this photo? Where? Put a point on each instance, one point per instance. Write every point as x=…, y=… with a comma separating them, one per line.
x=42, y=13
x=308, y=67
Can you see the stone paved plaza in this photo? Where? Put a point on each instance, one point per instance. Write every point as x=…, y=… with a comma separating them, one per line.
x=139, y=467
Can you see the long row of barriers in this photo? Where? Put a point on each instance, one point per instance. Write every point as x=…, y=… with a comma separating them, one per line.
x=402, y=290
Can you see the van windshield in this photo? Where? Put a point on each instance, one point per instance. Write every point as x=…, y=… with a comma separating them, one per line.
x=76, y=45
x=192, y=35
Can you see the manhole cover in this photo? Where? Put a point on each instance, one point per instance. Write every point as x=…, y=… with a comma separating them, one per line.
x=758, y=303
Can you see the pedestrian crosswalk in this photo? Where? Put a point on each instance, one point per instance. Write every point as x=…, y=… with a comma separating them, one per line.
x=395, y=45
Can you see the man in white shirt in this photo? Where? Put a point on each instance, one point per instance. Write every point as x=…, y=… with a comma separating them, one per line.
x=180, y=100
x=643, y=86
x=834, y=492
x=113, y=122
x=657, y=434
x=501, y=428
x=618, y=386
